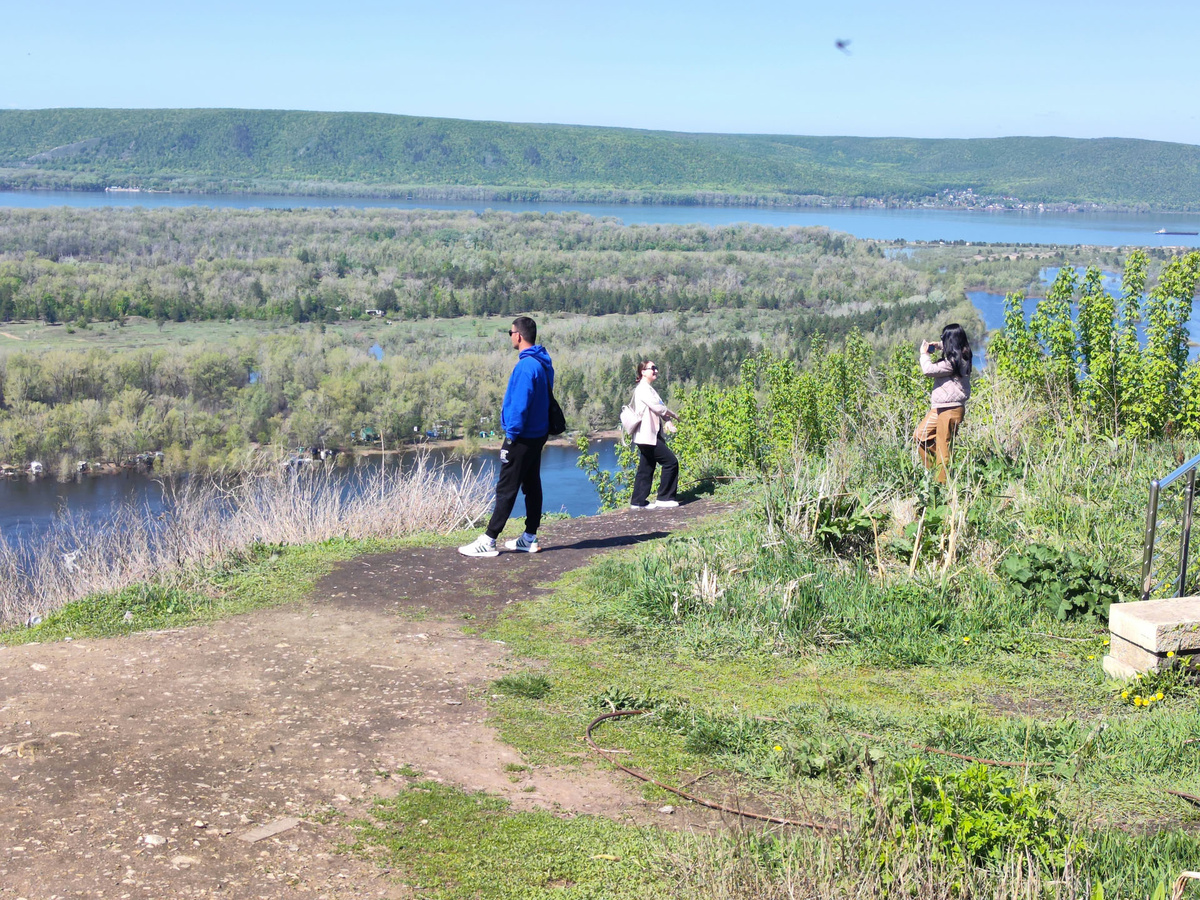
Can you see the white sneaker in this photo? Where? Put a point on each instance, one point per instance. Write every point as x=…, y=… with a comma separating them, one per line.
x=526, y=542
x=481, y=546
x=647, y=506
x=665, y=504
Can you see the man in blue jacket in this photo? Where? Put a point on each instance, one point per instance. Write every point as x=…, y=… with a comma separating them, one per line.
x=525, y=418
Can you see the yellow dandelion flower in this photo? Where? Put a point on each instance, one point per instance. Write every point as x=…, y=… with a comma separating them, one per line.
x=966, y=640
x=1137, y=701
x=1092, y=656
x=1158, y=696
x=1124, y=695
x=778, y=749
x=1170, y=653
x=1106, y=642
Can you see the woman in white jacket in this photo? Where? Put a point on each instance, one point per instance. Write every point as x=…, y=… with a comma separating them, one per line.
x=648, y=436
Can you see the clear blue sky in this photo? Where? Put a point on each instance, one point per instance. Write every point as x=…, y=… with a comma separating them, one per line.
x=919, y=69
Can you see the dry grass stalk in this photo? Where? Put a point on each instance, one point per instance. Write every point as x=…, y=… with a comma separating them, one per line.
x=206, y=522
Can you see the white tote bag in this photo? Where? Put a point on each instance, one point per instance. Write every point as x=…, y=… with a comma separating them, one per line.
x=629, y=419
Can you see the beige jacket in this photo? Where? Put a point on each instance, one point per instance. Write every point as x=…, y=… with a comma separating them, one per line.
x=948, y=389
x=650, y=409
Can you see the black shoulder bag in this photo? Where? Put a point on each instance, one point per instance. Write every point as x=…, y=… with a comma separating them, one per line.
x=558, y=422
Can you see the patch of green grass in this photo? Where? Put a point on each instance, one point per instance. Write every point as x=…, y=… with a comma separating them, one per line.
x=451, y=844
x=530, y=685
x=141, y=607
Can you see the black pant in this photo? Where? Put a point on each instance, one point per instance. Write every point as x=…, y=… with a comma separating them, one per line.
x=520, y=467
x=668, y=482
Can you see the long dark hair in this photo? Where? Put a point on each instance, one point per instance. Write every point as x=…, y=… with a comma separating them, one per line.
x=956, y=349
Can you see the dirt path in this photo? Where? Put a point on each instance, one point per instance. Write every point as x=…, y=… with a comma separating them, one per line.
x=134, y=767
x=7, y=335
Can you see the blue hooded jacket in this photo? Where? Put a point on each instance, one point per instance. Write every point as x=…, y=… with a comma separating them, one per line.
x=526, y=410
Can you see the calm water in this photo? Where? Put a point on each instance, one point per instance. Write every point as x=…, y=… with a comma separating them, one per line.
x=976, y=226
x=27, y=509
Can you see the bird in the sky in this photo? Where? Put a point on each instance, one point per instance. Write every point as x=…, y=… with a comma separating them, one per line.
x=843, y=45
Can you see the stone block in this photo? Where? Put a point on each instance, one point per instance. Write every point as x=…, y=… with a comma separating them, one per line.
x=1118, y=670
x=1143, y=633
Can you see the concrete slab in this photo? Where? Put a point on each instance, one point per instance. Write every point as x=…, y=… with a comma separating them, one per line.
x=1144, y=632
x=1131, y=654
x=1118, y=670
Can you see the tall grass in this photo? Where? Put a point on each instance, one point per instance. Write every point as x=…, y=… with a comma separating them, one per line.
x=893, y=592
x=744, y=865
x=207, y=520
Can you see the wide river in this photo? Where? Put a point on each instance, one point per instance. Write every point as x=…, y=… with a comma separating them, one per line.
x=26, y=509
x=1108, y=229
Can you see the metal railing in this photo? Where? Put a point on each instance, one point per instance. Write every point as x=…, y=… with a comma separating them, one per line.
x=1188, y=471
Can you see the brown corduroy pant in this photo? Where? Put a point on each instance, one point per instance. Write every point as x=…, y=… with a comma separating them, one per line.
x=935, y=434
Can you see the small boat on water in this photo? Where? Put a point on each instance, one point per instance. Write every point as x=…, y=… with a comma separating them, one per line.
x=1164, y=231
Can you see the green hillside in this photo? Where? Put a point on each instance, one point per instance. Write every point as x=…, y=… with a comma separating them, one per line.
x=312, y=151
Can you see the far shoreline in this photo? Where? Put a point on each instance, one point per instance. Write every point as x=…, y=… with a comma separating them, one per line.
x=461, y=446
x=418, y=194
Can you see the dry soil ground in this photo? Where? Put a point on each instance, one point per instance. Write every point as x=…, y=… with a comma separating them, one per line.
x=139, y=767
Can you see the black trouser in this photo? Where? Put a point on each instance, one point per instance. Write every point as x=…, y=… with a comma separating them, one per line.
x=668, y=481
x=520, y=467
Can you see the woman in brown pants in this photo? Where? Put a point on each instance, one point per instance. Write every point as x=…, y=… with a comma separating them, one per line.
x=951, y=375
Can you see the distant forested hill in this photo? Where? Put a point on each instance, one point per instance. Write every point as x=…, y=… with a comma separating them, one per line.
x=314, y=152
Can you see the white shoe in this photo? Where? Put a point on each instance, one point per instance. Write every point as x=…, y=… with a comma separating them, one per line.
x=647, y=506
x=528, y=543
x=481, y=546
x=665, y=504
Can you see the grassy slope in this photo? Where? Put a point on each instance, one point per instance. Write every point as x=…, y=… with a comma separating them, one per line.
x=253, y=145
x=757, y=718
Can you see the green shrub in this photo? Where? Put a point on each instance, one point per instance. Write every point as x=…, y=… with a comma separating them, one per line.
x=977, y=817
x=775, y=407
x=1125, y=387
x=613, y=488
x=1070, y=585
